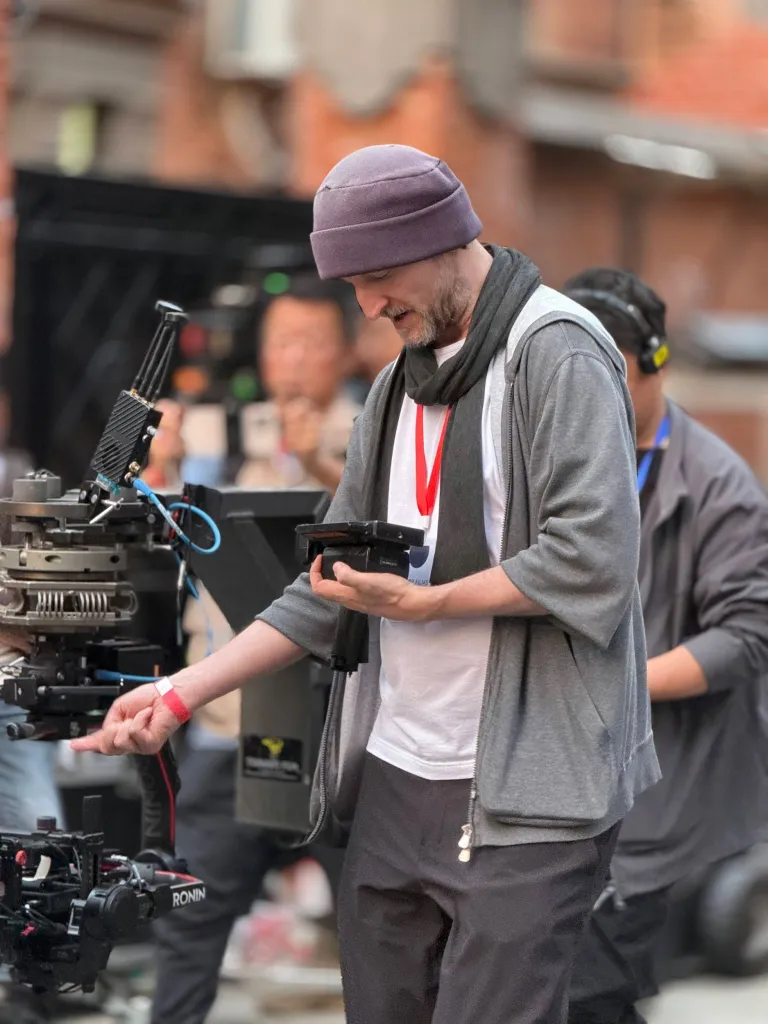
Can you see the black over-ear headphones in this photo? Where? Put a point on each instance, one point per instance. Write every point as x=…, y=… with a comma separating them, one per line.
x=654, y=351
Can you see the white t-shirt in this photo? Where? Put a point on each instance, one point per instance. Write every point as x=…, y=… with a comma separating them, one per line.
x=433, y=673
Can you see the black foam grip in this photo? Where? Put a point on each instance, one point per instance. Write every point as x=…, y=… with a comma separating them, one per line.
x=350, y=646
x=159, y=784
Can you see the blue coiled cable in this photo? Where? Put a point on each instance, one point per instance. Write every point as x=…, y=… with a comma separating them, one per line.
x=149, y=494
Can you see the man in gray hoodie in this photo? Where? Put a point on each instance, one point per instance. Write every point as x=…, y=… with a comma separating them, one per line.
x=480, y=761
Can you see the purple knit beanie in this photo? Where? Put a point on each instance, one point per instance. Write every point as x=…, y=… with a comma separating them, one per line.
x=385, y=206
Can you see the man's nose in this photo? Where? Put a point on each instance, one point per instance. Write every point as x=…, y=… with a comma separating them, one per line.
x=372, y=306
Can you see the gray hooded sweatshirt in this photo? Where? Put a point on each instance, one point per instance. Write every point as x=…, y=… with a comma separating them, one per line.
x=564, y=743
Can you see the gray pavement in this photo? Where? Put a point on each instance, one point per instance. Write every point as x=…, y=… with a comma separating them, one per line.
x=702, y=1001
x=706, y=1001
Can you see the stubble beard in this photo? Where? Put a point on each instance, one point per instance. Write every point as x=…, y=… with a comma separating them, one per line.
x=439, y=320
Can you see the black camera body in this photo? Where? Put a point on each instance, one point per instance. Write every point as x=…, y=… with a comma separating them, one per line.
x=369, y=546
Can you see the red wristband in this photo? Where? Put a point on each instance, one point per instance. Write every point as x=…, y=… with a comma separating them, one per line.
x=172, y=700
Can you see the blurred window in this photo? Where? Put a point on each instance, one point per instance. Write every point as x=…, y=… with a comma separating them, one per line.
x=80, y=144
x=571, y=31
x=251, y=38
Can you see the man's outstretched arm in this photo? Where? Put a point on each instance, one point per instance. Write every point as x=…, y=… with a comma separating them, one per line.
x=258, y=650
x=141, y=722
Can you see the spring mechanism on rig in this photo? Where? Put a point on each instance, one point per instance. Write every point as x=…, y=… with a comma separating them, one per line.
x=92, y=603
x=50, y=602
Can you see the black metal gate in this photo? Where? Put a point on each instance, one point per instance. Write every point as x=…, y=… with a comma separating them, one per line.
x=92, y=256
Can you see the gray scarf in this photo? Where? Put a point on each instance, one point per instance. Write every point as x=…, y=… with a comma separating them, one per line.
x=459, y=383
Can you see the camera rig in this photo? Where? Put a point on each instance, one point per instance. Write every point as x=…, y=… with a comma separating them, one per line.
x=79, y=572
x=92, y=585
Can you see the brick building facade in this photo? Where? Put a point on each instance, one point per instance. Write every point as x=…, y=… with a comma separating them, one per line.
x=556, y=193
x=79, y=88
x=361, y=83
x=690, y=74
x=523, y=105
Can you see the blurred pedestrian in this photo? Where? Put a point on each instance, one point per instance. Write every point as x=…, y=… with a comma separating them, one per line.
x=704, y=585
x=28, y=790
x=299, y=436
x=231, y=858
x=483, y=756
x=28, y=787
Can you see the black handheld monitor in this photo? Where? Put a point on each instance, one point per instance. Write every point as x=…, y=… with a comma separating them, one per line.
x=368, y=546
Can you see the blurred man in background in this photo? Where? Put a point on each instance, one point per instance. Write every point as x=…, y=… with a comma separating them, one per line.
x=27, y=791
x=704, y=585
x=28, y=787
x=297, y=438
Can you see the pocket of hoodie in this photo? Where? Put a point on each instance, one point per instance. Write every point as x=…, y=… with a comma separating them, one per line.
x=548, y=758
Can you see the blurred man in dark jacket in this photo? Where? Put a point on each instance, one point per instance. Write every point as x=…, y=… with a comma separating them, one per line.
x=27, y=779
x=295, y=439
x=704, y=586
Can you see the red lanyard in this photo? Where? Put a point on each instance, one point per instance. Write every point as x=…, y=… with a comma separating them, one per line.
x=426, y=490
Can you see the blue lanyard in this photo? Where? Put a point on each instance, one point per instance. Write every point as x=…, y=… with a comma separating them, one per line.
x=662, y=436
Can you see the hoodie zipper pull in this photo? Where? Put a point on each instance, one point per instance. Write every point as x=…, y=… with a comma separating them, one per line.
x=465, y=843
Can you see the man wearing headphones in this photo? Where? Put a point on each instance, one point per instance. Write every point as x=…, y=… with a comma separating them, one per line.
x=704, y=585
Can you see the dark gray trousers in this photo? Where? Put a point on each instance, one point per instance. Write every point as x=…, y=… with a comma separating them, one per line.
x=426, y=939
x=232, y=860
